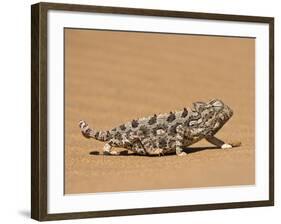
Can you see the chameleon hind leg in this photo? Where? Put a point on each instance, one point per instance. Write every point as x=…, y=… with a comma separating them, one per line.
x=107, y=148
x=179, y=141
x=124, y=142
x=221, y=144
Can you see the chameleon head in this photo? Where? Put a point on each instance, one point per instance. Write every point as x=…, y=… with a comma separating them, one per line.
x=214, y=114
x=222, y=113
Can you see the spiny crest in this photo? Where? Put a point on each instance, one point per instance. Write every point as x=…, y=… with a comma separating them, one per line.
x=134, y=123
x=184, y=113
x=152, y=120
x=171, y=117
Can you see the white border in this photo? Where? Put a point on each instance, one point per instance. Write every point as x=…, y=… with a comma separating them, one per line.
x=60, y=203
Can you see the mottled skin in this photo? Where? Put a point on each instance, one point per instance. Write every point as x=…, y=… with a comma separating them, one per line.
x=166, y=133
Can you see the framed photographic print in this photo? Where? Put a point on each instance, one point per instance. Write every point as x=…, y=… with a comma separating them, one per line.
x=141, y=111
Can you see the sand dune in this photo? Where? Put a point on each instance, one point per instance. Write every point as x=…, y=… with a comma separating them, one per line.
x=113, y=77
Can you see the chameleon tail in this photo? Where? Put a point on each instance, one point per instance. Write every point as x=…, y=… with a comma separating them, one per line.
x=90, y=133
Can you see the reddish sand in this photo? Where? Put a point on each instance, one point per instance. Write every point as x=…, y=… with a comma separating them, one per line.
x=113, y=77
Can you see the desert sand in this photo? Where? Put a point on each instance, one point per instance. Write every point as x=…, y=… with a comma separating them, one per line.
x=112, y=77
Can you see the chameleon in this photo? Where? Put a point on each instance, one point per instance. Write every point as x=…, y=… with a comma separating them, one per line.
x=166, y=133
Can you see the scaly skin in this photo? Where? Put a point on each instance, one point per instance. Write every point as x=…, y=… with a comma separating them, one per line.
x=166, y=133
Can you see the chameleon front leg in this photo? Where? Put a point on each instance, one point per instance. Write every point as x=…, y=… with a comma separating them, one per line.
x=138, y=149
x=217, y=142
x=144, y=146
x=149, y=149
x=179, y=141
x=137, y=146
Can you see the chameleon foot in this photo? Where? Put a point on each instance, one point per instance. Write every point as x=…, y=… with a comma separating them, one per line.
x=226, y=146
x=112, y=153
x=107, y=150
x=182, y=154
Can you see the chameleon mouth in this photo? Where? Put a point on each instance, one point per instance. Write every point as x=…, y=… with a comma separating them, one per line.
x=227, y=112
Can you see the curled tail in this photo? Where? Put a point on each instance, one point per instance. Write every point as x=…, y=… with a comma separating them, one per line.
x=90, y=133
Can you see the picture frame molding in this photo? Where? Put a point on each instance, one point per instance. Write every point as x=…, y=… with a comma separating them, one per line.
x=39, y=121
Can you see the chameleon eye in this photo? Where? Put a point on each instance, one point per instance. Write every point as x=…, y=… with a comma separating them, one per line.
x=218, y=103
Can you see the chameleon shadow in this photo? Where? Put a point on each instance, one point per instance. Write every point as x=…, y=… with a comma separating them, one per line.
x=188, y=150
x=121, y=153
x=198, y=149
x=125, y=153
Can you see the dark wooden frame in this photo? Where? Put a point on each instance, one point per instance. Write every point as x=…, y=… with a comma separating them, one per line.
x=39, y=110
